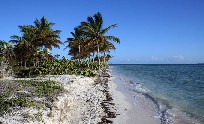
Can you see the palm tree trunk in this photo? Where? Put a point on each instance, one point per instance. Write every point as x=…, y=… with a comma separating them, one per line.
x=98, y=57
x=36, y=63
x=93, y=56
x=79, y=53
x=104, y=58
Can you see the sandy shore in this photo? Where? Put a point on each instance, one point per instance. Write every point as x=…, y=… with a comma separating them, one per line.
x=91, y=100
x=87, y=100
x=133, y=108
x=137, y=108
x=79, y=104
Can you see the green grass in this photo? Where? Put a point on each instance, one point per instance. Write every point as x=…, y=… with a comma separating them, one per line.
x=21, y=93
x=43, y=88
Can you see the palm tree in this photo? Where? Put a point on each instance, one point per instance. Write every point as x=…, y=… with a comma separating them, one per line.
x=106, y=47
x=24, y=43
x=96, y=34
x=46, y=37
x=39, y=36
x=76, y=43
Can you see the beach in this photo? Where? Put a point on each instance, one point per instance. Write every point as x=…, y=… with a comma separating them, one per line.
x=151, y=98
x=97, y=100
x=133, y=108
x=85, y=100
x=79, y=104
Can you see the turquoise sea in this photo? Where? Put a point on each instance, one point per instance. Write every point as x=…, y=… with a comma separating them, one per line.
x=175, y=86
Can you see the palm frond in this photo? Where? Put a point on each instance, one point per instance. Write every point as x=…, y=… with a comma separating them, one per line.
x=117, y=40
x=108, y=28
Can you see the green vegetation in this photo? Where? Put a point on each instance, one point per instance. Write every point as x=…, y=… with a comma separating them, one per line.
x=61, y=67
x=30, y=53
x=22, y=93
x=90, y=38
x=35, y=43
x=42, y=88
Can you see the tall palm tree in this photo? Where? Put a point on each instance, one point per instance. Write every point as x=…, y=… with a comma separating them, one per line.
x=46, y=37
x=96, y=34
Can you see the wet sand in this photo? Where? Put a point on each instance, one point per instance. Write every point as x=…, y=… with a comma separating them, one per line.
x=132, y=107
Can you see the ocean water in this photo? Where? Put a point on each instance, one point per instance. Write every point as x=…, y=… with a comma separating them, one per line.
x=177, y=87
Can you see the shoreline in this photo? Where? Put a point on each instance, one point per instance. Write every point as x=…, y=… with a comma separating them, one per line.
x=132, y=107
x=91, y=100
x=105, y=99
x=146, y=109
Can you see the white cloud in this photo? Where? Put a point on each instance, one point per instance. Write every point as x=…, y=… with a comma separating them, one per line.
x=178, y=57
x=154, y=58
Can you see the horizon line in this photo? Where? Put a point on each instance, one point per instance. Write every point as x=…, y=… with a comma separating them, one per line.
x=156, y=64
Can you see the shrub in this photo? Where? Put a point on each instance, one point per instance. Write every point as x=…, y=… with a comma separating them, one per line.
x=60, y=67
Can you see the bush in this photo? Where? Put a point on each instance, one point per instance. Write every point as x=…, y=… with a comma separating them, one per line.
x=60, y=67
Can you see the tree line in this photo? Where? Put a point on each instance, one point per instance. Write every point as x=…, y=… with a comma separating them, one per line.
x=89, y=42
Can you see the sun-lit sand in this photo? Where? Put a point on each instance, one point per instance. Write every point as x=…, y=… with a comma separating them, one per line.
x=139, y=111
x=81, y=104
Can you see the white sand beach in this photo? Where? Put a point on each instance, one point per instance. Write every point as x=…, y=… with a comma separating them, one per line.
x=81, y=104
x=132, y=111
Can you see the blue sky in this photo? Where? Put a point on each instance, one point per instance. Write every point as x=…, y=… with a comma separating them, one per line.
x=151, y=31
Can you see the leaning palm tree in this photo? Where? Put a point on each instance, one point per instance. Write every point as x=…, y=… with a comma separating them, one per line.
x=96, y=34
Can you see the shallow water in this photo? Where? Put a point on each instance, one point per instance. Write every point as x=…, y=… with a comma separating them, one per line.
x=178, y=89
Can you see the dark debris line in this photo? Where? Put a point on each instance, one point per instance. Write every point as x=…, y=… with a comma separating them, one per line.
x=108, y=101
